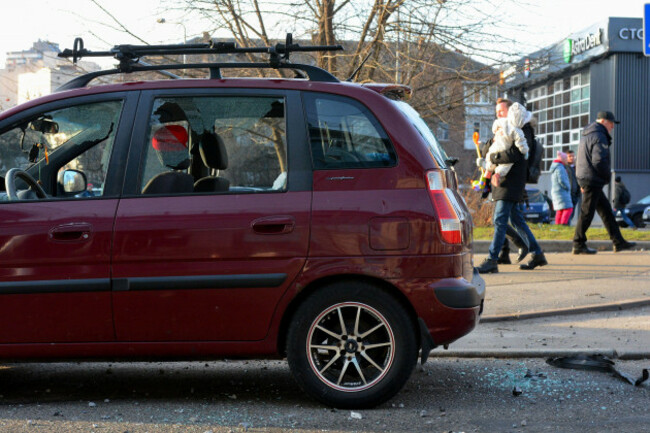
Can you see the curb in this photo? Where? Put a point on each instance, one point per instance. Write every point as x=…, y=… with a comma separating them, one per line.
x=539, y=353
x=482, y=247
x=612, y=306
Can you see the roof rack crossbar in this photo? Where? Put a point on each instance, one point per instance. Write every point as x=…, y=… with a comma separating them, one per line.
x=313, y=72
x=278, y=52
x=130, y=56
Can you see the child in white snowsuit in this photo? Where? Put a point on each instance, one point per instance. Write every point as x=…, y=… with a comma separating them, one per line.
x=507, y=130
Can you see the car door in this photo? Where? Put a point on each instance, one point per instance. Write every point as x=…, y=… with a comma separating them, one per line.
x=214, y=224
x=55, y=251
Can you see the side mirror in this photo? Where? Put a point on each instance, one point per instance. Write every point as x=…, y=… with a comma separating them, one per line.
x=72, y=181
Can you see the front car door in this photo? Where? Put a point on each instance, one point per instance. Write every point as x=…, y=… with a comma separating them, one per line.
x=214, y=224
x=55, y=251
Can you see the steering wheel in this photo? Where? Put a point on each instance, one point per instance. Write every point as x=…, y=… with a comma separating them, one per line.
x=10, y=183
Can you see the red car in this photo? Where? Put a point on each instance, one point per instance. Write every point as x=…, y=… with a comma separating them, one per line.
x=304, y=218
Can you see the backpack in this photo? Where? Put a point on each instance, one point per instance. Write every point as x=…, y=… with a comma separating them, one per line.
x=534, y=162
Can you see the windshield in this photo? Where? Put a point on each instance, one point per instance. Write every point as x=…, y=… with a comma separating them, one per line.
x=436, y=150
x=645, y=200
x=535, y=196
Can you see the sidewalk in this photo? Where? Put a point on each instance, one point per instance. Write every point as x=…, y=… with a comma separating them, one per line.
x=481, y=247
x=575, y=304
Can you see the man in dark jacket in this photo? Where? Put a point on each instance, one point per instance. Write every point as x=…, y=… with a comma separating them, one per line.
x=512, y=235
x=508, y=193
x=593, y=171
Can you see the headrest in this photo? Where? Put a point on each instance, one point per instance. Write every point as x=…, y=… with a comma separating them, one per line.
x=170, y=138
x=213, y=151
x=170, y=112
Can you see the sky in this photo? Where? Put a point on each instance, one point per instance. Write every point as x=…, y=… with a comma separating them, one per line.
x=23, y=22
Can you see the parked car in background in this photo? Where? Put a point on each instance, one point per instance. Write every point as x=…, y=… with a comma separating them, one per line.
x=305, y=218
x=638, y=212
x=536, y=208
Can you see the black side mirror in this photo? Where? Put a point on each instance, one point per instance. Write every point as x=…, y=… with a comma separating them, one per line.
x=451, y=161
x=72, y=181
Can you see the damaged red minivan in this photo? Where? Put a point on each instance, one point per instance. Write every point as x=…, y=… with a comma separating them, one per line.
x=304, y=218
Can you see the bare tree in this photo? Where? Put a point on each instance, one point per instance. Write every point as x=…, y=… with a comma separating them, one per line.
x=446, y=50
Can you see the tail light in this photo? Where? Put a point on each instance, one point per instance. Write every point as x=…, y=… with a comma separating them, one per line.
x=446, y=207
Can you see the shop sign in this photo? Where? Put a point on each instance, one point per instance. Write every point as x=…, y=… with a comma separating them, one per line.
x=630, y=34
x=574, y=47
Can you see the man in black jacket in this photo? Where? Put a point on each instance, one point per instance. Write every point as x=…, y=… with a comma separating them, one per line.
x=512, y=235
x=593, y=171
x=508, y=193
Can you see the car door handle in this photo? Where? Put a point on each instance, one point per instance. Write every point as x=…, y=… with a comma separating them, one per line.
x=274, y=225
x=76, y=232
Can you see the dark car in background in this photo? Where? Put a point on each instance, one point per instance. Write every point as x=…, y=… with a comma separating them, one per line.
x=536, y=207
x=638, y=212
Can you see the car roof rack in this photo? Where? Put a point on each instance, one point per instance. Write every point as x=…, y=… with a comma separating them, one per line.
x=130, y=59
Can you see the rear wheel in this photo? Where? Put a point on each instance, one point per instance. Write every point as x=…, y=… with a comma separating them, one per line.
x=351, y=345
x=638, y=220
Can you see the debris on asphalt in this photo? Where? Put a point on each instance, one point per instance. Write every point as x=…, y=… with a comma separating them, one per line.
x=596, y=363
x=356, y=415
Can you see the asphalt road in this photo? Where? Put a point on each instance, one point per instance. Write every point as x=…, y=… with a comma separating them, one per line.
x=445, y=395
x=579, y=304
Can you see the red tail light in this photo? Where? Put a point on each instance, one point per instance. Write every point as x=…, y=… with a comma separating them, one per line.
x=446, y=207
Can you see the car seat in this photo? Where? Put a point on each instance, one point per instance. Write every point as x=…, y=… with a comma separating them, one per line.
x=170, y=145
x=213, y=153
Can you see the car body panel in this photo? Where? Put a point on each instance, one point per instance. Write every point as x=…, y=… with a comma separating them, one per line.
x=190, y=276
x=55, y=273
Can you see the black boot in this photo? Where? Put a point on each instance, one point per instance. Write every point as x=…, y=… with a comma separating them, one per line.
x=625, y=245
x=504, y=257
x=583, y=249
x=535, y=261
x=488, y=266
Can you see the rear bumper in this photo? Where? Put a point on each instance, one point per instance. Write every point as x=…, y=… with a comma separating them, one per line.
x=467, y=295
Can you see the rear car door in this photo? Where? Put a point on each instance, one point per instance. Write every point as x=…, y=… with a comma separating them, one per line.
x=55, y=251
x=214, y=223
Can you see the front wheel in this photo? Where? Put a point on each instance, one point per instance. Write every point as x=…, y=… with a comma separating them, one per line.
x=351, y=345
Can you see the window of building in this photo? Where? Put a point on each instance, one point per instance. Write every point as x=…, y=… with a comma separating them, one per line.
x=480, y=124
x=443, y=131
x=561, y=108
x=443, y=95
x=575, y=81
x=480, y=93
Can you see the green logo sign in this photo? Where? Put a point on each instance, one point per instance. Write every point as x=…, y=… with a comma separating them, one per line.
x=568, y=50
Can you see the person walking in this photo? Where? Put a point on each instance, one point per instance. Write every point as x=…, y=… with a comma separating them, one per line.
x=593, y=170
x=621, y=199
x=508, y=194
x=575, y=188
x=561, y=189
x=512, y=235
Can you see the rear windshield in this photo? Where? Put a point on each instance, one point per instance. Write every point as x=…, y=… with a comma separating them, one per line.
x=435, y=148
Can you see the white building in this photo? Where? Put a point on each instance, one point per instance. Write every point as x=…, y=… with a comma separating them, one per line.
x=36, y=72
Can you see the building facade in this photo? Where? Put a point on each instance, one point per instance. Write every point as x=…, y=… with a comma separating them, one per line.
x=36, y=72
x=565, y=85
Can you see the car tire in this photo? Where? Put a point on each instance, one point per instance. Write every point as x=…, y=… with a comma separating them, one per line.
x=360, y=366
x=637, y=219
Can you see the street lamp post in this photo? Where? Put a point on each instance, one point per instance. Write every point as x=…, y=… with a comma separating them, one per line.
x=164, y=21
